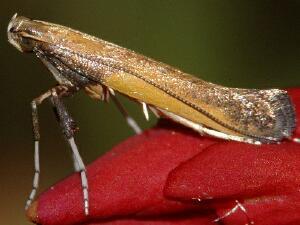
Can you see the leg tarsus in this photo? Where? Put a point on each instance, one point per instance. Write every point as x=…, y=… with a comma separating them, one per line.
x=82, y=170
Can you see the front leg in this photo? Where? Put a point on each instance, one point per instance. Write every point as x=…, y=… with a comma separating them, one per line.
x=36, y=136
x=69, y=128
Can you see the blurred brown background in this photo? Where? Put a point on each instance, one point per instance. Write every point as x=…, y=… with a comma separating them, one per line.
x=234, y=43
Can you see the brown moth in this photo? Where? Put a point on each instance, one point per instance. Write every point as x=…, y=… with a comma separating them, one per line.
x=82, y=62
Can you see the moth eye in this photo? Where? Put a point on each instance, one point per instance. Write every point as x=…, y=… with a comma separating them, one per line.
x=12, y=30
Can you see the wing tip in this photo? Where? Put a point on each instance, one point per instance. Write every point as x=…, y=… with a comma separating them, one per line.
x=285, y=114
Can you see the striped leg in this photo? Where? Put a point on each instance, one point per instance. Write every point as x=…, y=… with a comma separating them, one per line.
x=36, y=135
x=69, y=128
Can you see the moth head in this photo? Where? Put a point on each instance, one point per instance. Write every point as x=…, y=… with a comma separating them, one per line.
x=22, y=34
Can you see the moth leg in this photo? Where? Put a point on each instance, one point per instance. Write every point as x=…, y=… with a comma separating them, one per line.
x=36, y=136
x=204, y=130
x=69, y=128
x=130, y=121
x=238, y=206
x=145, y=110
x=83, y=175
x=75, y=163
x=155, y=112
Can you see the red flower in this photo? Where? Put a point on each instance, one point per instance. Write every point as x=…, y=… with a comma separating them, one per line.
x=171, y=175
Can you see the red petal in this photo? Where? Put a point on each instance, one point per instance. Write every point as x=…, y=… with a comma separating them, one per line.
x=225, y=172
x=127, y=180
x=277, y=210
x=188, y=220
x=233, y=170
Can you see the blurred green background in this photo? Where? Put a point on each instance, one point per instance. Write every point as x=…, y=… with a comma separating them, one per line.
x=234, y=43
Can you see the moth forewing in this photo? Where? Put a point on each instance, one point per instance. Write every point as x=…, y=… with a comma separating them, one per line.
x=265, y=115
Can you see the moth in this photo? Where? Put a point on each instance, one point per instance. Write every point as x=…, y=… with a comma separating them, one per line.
x=79, y=61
